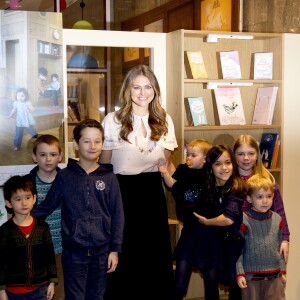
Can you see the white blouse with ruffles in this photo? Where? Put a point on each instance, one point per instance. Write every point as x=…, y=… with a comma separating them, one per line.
x=141, y=154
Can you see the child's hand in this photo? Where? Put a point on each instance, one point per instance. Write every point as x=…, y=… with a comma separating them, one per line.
x=284, y=248
x=50, y=291
x=3, y=295
x=162, y=167
x=112, y=261
x=201, y=219
x=241, y=281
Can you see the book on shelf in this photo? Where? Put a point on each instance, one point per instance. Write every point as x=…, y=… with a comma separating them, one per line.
x=77, y=109
x=230, y=106
x=196, y=65
x=267, y=147
x=71, y=115
x=195, y=111
x=265, y=105
x=275, y=155
x=230, y=64
x=263, y=65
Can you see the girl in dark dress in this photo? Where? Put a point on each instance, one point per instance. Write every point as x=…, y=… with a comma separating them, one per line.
x=211, y=242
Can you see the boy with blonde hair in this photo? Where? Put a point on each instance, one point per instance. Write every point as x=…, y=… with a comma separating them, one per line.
x=260, y=266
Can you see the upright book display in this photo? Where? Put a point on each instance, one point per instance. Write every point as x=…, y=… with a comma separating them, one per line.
x=230, y=63
x=196, y=67
x=230, y=106
x=265, y=105
x=196, y=111
x=267, y=147
x=263, y=65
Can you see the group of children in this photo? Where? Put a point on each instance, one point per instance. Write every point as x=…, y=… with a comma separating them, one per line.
x=234, y=232
x=83, y=203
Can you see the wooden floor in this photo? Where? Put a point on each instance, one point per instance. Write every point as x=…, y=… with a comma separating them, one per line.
x=23, y=156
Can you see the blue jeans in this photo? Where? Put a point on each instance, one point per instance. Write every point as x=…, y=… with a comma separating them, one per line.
x=38, y=294
x=53, y=94
x=19, y=134
x=84, y=276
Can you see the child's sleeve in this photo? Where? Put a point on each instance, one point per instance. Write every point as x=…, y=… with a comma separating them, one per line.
x=50, y=255
x=282, y=261
x=117, y=216
x=240, y=262
x=52, y=200
x=3, y=247
x=278, y=207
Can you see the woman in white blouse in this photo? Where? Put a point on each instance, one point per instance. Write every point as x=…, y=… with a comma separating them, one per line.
x=138, y=137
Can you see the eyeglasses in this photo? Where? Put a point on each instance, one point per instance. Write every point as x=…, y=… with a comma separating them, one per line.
x=138, y=88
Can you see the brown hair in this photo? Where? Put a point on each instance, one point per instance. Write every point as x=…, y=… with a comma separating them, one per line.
x=86, y=123
x=157, y=115
x=235, y=183
x=246, y=139
x=47, y=139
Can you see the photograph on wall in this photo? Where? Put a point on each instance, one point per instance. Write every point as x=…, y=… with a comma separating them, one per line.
x=31, y=87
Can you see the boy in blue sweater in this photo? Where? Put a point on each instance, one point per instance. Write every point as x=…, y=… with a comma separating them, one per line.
x=92, y=215
x=260, y=266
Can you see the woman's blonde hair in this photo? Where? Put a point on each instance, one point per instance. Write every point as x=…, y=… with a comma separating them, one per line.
x=157, y=115
x=246, y=139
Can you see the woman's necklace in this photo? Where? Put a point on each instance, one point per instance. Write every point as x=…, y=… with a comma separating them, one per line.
x=142, y=149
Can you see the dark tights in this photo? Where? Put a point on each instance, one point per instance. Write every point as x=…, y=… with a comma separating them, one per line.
x=182, y=277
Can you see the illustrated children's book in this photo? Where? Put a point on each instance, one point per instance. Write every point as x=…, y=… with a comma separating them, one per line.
x=230, y=64
x=197, y=111
x=230, y=106
x=267, y=147
x=263, y=65
x=196, y=64
x=265, y=105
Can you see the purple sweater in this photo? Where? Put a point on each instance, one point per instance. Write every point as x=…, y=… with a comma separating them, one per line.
x=277, y=206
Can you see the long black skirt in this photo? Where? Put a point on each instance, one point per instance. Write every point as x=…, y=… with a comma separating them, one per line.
x=145, y=264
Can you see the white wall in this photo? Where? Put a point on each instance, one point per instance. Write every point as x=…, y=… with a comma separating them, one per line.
x=291, y=157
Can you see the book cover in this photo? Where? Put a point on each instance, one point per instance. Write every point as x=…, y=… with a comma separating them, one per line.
x=267, y=147
x=197, y=111
x=265, y=105
x=230, y=64
x=275, y=155
x=263, y=65
x=196, y=64
x=230, y=106
x=216, y=15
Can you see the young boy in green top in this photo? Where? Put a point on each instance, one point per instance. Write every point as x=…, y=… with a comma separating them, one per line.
x=47, y=154
x=27, y=264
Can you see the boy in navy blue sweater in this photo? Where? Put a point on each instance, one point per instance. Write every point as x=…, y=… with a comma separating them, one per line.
x=92, y=215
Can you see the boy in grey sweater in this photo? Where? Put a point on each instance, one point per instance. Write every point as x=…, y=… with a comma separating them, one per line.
x=261, y=265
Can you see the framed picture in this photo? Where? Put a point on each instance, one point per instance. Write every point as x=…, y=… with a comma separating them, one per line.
x=222, y=15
